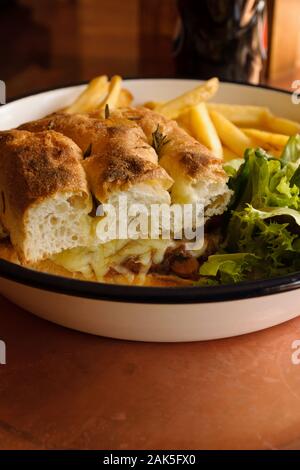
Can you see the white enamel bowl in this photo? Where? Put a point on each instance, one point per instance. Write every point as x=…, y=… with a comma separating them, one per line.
x=146, y=313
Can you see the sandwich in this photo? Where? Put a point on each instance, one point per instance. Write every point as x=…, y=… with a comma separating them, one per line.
x=59, y=172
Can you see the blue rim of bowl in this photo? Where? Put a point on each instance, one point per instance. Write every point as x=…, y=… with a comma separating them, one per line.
x=143, y=294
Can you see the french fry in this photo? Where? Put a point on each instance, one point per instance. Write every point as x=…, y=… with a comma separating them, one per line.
x=281, y=125
x=125, y=98
x=204, y=130
x=229, y=154
x=90, y=97
x=153, y=104
x=267, y=140
x=173, y=108
x=184, y=121
x=241, y=115
x=113, y=93
x=231, y=136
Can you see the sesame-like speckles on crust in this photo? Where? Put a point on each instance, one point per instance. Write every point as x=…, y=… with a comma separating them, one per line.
x=196, y=164
x=123, y=143
x=117, y=169
x=191, y=157
x=38, y=165
x=129, y=167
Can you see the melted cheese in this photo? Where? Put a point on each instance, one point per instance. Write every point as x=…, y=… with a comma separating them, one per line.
x=98, y=260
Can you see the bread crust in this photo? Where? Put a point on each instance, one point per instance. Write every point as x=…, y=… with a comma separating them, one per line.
x=35, y=170
x=192, y=159
x=119, y=155
x=34, y=167
x=118, y=170
x=78, y=127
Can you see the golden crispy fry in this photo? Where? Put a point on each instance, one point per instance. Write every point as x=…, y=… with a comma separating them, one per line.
x=125, y=98
x=172, y=109
x=230, y=135
x=229, y=154
x=241, y=115
x=267, y=140
x=113, y=93
x=281, y=125
x=204, y=130
x=90, y=97
x=184, y=121
x=153, y=104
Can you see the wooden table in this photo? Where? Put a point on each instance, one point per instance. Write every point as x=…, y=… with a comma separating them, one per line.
x=63, y=389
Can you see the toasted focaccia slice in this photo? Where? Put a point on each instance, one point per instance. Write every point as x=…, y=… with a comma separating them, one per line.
x=116, y=152
x=93, y=134
x=198, y=175
x=118, y=160
x=45, y=200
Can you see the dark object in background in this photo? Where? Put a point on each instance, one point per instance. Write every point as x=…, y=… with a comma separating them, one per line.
x=23, y=41
x=223, y=38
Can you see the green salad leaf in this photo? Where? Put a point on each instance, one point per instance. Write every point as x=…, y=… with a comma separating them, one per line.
x=263, y=222
x=233, y=166
x=228, y=267
x=264, y=181
x=292, y=150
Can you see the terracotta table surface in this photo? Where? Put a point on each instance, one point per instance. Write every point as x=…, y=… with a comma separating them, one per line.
x=64, y=389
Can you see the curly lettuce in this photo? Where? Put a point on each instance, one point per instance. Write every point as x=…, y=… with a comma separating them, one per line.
x=227, y=268
x=263, y=221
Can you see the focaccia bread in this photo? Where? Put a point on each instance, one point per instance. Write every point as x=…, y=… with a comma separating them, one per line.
x=116, y=152
x=45, y=199
x=118, y=160
x=198, y=175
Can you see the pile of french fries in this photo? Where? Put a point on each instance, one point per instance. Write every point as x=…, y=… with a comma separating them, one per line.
x=228, y=130
x=100, y=93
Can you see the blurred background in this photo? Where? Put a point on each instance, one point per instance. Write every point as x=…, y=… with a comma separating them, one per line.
x=48, y=43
